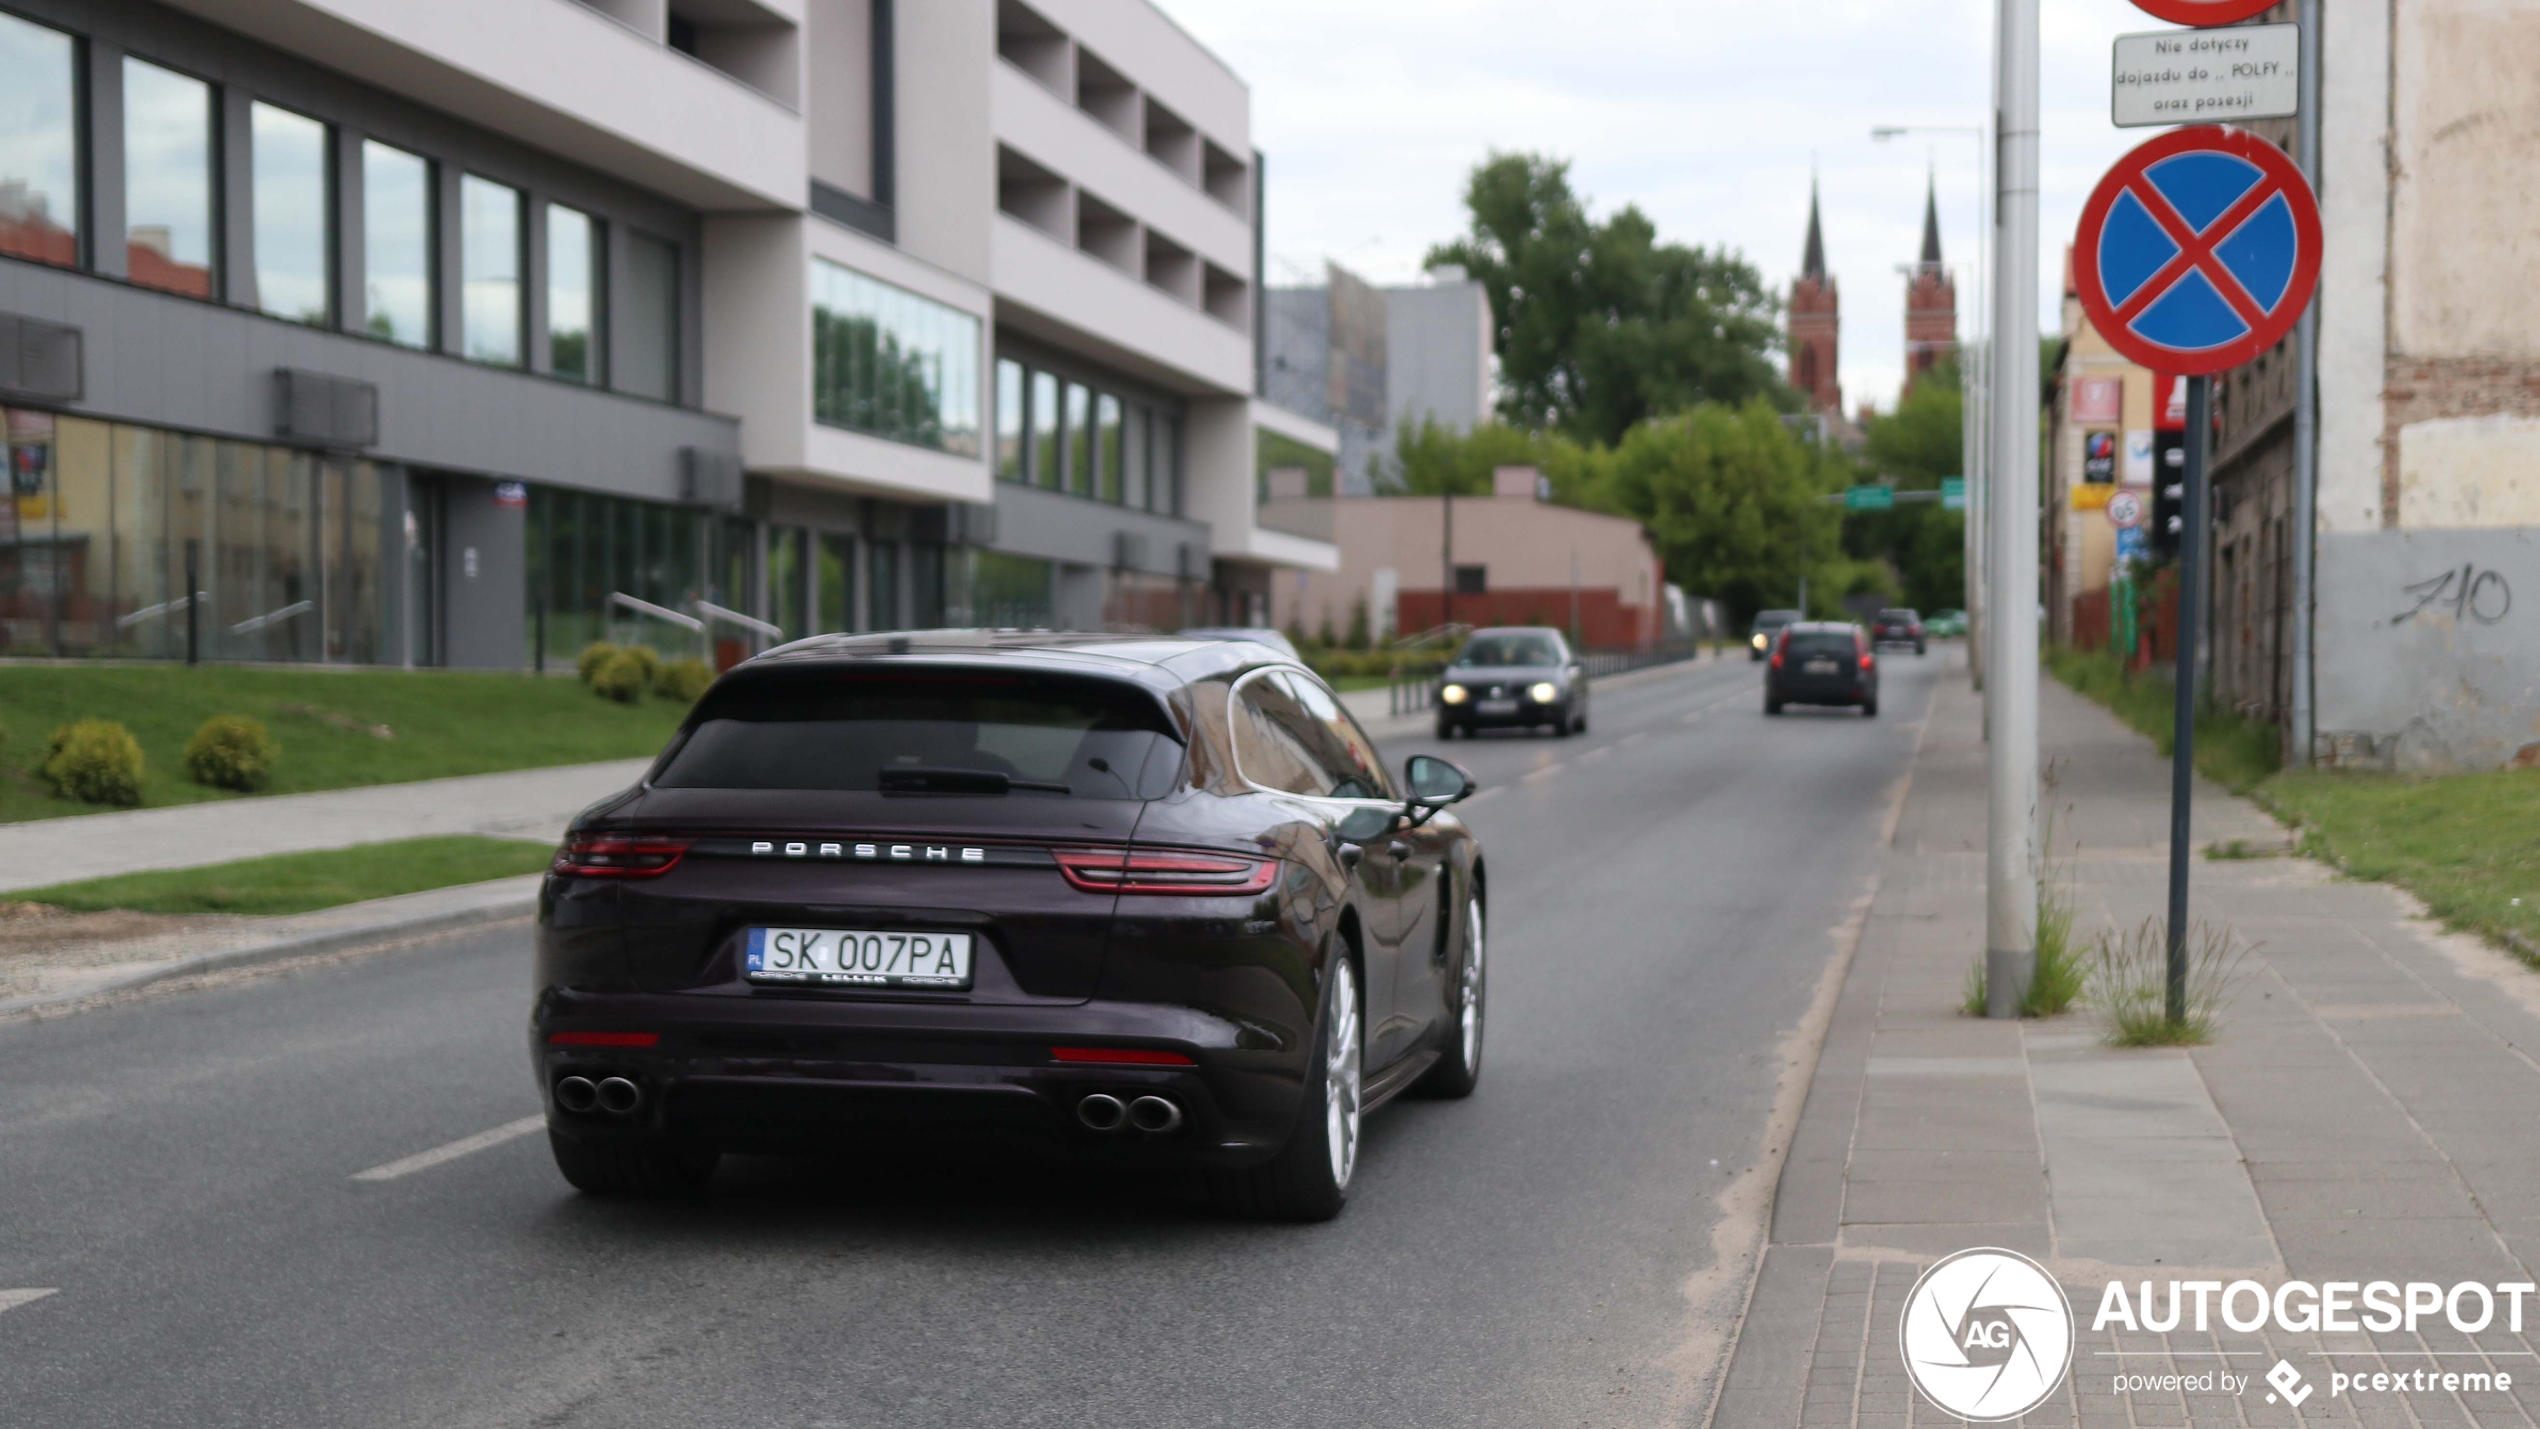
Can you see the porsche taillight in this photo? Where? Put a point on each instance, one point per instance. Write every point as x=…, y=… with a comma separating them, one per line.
x=618, y=856
x=1190, y=875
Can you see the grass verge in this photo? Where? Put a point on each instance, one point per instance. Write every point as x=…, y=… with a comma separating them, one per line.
x=2467, y=844
x=439, y=723
x=302, y=882
x=2237, y=753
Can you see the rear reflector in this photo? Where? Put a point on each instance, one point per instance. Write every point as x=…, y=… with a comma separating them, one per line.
x=603, y=1039
x=1194, y=875
x=1119, y=1057
x=617, y=856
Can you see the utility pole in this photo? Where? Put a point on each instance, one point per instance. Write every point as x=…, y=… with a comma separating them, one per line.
x=2010, y=690
x=2306, y=419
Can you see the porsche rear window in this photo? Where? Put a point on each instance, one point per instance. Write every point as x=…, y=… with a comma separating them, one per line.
x=823, y=730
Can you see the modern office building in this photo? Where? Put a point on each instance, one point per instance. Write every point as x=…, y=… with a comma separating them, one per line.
x=375, y=331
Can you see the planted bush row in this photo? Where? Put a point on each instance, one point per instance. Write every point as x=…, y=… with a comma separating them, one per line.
x=624, y=673
x=97, y=761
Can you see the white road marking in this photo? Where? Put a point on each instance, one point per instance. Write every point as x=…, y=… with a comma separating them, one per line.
x=1636, y=737
x=12, y=1299
x=465, y=1145
x=1599, y=752
x=1545, y=772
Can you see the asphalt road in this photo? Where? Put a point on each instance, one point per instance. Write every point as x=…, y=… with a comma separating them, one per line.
x=182, y=1172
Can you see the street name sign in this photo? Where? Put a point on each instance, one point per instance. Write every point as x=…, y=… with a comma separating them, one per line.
x=2202, y=12
x=1953, y=493
x=2198, y=250
x=1868, y=498
x=2205, y=76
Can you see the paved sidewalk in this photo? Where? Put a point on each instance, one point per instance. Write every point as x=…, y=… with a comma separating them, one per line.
x=2370, y=1110
x=521, y=803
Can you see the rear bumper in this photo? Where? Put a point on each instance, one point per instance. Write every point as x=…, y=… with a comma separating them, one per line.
x=1823, y=692
x=806, y=1075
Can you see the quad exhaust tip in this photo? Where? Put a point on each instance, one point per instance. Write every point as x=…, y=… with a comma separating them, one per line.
x=1101, y=1112
x=577, y=1094
x=618, y=1096
x=1156, y=1116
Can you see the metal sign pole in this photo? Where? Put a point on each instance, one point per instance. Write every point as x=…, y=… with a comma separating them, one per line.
x=2306, y=417
x=2192, y=562
x=2010, y=692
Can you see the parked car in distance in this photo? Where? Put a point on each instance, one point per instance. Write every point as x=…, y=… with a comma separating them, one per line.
x=1135, y=901
x=1822, y=662
x=1518, y=676
x=1768, y=624
x=1946, y=625
x=1257, y=634
x=1899, y=626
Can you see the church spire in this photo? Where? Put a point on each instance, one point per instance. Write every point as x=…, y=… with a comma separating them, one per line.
x=1812, y=264
x=1931, y=222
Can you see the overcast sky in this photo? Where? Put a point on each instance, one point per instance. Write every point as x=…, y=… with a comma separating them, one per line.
x=1706, y=114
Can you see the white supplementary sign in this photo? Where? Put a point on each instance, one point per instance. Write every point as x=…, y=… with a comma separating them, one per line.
x=2207, y=76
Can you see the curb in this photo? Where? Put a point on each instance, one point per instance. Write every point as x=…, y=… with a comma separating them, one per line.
x=499, y=903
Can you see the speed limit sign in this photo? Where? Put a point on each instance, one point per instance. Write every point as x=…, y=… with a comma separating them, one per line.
x=2126, y=509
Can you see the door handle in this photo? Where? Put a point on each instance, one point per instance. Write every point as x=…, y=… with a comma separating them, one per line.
x=1398, y=849
x=1349, y=855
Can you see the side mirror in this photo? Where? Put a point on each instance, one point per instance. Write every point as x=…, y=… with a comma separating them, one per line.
x=1435, y=783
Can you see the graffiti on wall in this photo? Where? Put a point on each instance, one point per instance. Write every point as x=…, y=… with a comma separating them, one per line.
x=2469, y=593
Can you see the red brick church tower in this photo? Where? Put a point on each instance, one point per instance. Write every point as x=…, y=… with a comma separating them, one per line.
x=1815, y=323
x=1931, y=301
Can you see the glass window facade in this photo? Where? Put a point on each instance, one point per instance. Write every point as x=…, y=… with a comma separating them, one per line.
x=167, y=143
x=490, y=289
x=584, y=547
x=101, y=518
x=888, y=362
x=882, y=596
x=648, y=319
x=294, y=216
x=837, y=583
x=1044, y=416
x=1062, y=435
x=39, y=144
x=1011, y=463
x=397, y=245
x=573, y=293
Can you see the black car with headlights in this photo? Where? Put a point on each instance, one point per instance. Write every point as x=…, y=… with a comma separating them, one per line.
x=1149, y=902
x=1768, y=627
x=1822, y=662
x=1513, y=677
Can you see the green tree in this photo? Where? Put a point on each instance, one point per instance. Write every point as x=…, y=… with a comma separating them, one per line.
x=1601, y=325
x=1731, y=496
x=1435, y=460
x=1916, y=446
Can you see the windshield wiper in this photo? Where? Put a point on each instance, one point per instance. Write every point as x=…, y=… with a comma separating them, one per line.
x=934, y=780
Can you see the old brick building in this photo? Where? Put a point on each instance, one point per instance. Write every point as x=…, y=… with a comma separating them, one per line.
x=1931, y=301
x=1815, y=323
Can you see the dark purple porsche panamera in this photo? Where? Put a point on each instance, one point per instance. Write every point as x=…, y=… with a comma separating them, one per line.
x=1146, y=901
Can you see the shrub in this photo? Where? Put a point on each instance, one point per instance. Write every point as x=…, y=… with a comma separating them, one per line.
x=648, y=659
x=622, y=677
x=683, y=680
x=593, y=656
x=2131, y=983
x=95, y=761
x=231, y=752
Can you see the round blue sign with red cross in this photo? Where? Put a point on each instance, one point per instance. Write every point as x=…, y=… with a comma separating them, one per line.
x=2198, y=250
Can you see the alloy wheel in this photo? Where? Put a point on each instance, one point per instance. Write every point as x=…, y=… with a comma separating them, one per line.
x=1469, y=995
x=1341, y=1076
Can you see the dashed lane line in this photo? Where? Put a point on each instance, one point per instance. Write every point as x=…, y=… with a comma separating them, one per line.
x=12, y=1299
x=464, y=1146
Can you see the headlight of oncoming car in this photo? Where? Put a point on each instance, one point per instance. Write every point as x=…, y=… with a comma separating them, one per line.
x=1545, y=692
x=1759, y=639
x=1452, y=694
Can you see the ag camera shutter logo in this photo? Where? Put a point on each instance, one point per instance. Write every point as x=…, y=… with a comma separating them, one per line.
x=1986, y=1335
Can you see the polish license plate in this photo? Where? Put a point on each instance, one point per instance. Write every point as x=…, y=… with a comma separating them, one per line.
x=848, y=957
x=1497, y=707
x=1819, y=667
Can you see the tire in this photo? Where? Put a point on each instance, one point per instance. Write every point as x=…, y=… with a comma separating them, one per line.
x=1772, y=706
x=1459, y=1069
x=1870, y=708
x=1919, y=648
x=1309, y=1179
x=1581, y=727
x=1561, y=728
x=647, y=1166
x=1446, y=732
